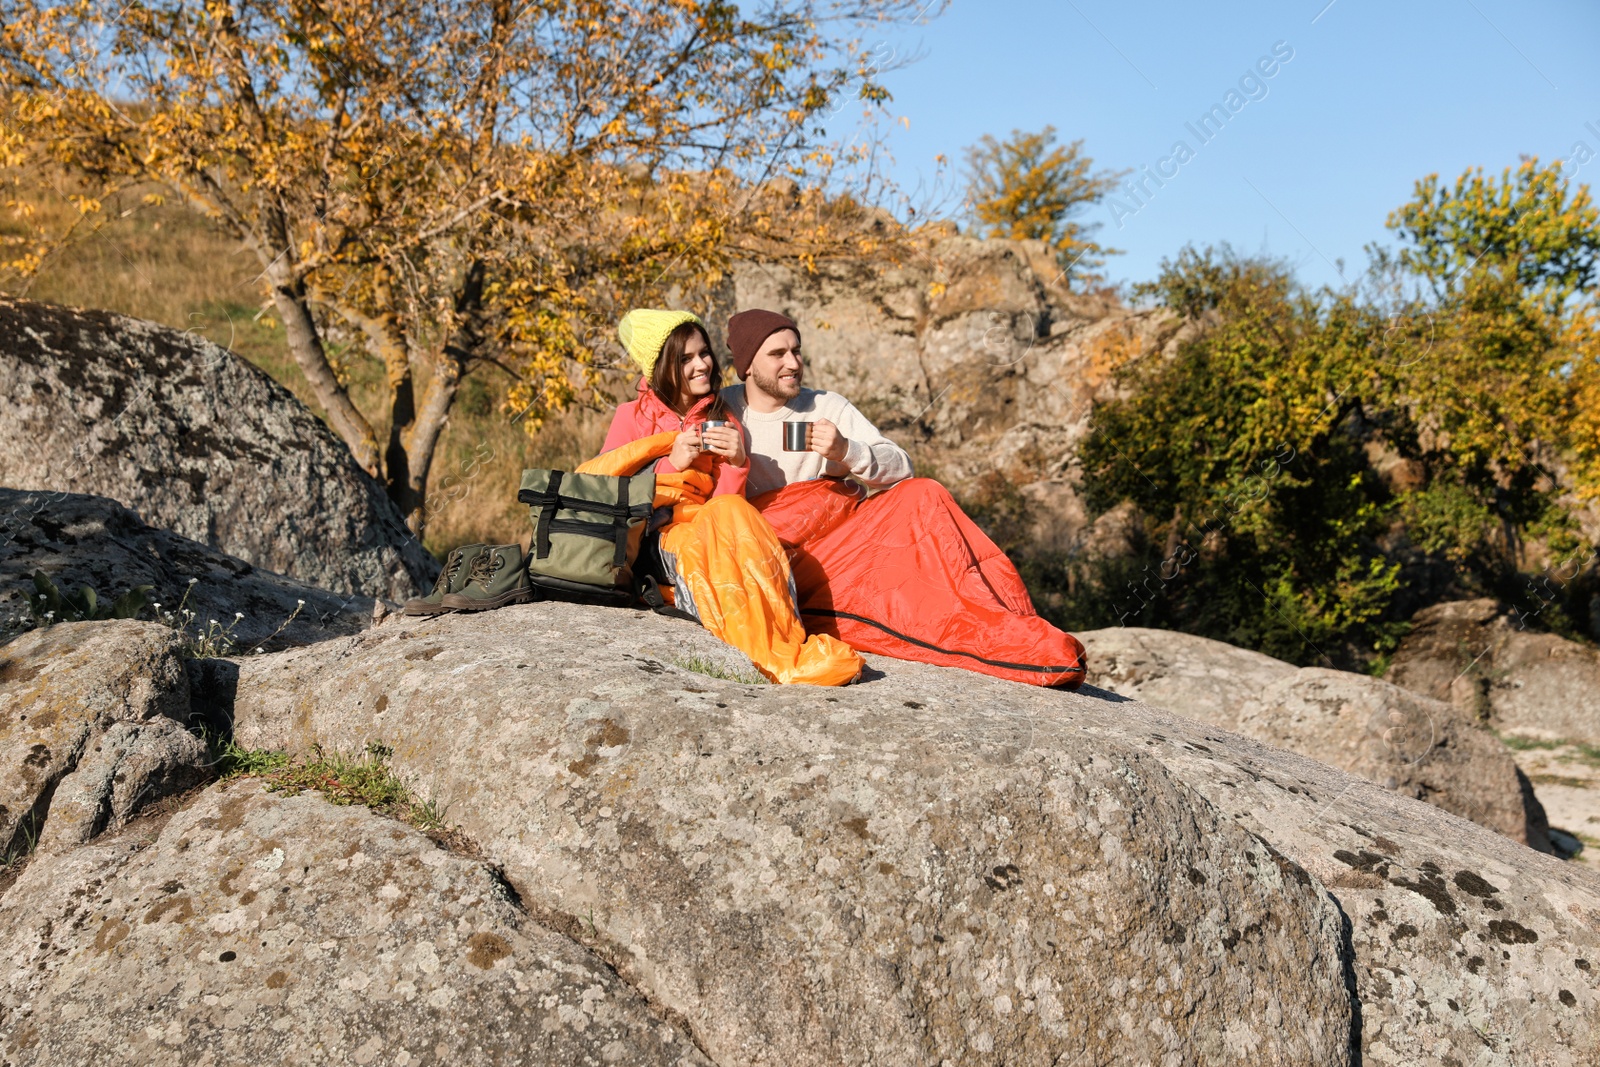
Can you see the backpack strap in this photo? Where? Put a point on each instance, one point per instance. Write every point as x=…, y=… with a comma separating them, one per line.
x=650, y=593
x=620, y=522
x=541, y=530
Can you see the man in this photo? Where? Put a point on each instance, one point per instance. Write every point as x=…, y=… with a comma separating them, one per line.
x=842, y=440
x=905, y=573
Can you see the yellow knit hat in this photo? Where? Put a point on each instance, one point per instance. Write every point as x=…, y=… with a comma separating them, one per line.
x=644, y=331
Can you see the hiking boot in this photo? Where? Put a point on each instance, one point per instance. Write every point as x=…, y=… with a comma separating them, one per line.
x=499, y=576
x=452, y=579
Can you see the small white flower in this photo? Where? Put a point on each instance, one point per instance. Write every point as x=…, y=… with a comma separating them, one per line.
x=302, y=603
x=193, y=580
x=213, y=622
x=238, y=615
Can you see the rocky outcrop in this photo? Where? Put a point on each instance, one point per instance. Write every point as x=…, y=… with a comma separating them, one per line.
x=91, y=729
x=196, y=441
x=679, y=866
x=1194, y=676
x=87, y=540
x=974, y=355
x=254, y=928
x=814, y=876
x=936, y=865
x=1418, y=747
x=1474, y=654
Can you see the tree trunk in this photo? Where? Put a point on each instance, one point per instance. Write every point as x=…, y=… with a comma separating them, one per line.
x=431, y=417
x=305, y=343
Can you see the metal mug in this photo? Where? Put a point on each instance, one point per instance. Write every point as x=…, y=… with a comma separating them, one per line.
x=797, y=437
x=710, y=424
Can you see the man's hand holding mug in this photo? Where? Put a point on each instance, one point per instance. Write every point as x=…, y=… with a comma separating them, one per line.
x=827, y=441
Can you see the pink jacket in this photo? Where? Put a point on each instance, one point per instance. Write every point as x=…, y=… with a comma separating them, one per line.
x=650, y=415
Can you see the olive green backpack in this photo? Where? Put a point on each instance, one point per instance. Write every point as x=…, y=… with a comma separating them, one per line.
x=587, y=532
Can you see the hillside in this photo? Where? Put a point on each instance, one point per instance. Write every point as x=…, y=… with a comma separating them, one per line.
x=166, y=264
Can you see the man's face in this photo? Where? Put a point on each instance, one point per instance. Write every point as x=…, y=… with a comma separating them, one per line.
x=777, y=369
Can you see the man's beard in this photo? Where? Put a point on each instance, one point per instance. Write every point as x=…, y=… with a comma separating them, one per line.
x=773, y=387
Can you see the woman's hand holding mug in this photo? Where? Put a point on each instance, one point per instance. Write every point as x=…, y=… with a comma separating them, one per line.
x=725, y=441
x=685, y=450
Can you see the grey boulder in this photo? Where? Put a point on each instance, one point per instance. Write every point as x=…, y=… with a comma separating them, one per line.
x=198, y=442
x=91, y=730
x=1478, y=656
x=915, y=870
x=1423, y=748
x=80, y=540
x=254, y=928
x=1194, y=676
x=936, y=865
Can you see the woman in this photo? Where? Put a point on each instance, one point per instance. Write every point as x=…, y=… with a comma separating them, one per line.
x=728, y=567
x=678, y=393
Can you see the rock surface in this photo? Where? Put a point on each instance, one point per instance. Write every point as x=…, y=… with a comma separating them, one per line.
x=1421, y=748
x=936, y=864
x=198, y=442
x=1194, y=676
x=1474, y=654
x=256, y=929
x=879, y=874
x=88, y=540
x=91, y=729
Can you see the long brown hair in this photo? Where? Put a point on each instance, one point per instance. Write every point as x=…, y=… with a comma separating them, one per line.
x=667, y=378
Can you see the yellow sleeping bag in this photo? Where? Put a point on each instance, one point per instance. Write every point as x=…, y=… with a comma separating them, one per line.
x=736, y=571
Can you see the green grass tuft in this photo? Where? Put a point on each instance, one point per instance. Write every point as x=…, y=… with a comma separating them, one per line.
x=235, y=762
x=365, y=779
x=701, y=665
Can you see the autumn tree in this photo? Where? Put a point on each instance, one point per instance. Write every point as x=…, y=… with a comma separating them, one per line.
x=1261, y=516
x=453, y=183
x=1501, y=346
x=1306, y=465
x=1027, y=186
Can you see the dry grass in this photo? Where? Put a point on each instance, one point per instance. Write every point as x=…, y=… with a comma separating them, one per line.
x=169, y=265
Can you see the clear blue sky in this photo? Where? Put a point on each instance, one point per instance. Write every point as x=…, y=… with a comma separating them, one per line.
x=1376, y=96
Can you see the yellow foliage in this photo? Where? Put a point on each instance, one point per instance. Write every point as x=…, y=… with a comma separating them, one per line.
x=1029, y=188
x=446, y=184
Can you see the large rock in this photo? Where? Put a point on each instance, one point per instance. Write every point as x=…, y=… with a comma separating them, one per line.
x=1418, y=747
x=1474, y=654
x=1422, y=748
x=198, y=442
x=1194, y=676
x=91, y=729
x=261, y=929
x=888, y=873
x=937, y=865
x=89, y=540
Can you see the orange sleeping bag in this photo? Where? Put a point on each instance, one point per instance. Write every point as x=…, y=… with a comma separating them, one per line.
x=907, y=574
x=734, y=571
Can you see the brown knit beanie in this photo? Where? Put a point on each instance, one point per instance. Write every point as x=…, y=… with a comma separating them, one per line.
x=749, y=329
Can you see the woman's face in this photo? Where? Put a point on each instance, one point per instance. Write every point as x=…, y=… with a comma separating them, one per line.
x=696, y=368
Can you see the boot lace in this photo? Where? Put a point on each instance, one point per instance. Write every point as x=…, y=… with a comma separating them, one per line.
x=452, y=567
x=484, y=566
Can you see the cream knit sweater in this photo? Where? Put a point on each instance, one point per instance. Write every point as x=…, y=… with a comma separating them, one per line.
x=870, y=458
